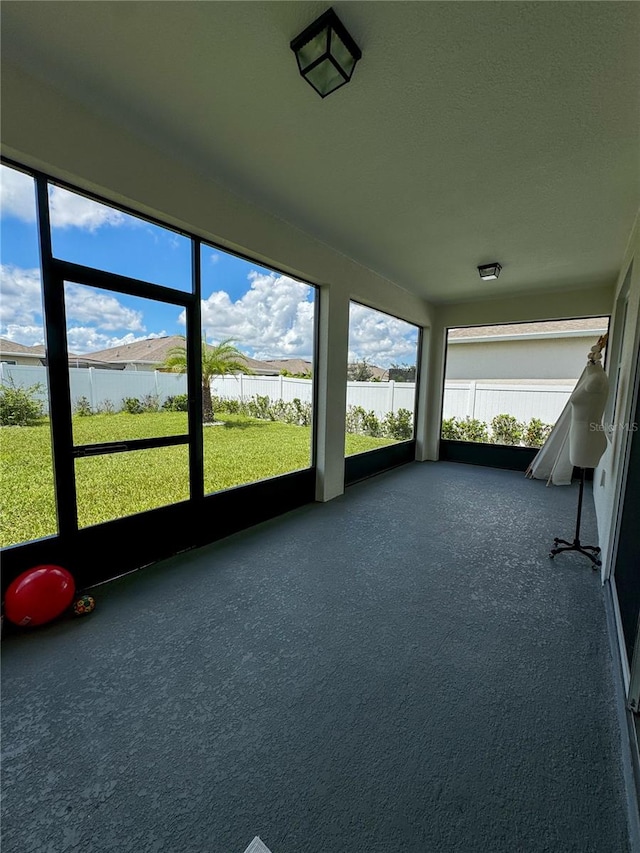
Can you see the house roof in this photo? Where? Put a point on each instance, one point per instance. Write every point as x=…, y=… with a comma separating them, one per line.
x=153, y=351
x=590, y=327
x=293, y=365
x=149, y=351
x=8, y=347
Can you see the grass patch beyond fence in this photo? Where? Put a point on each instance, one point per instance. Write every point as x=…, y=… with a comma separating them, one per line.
x=243, y=450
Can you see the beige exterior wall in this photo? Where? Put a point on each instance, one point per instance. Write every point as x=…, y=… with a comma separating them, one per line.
x=548, y=358
x=30, y=361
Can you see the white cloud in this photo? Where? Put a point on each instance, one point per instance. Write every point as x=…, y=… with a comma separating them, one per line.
x=380, y=338
x=68, y=209
x=274, y=318
x=87, y=339
x=26, y=335
x=21, y=304
x=17, y=199
x=91, y=313
x=89, y=306
x=17, y=195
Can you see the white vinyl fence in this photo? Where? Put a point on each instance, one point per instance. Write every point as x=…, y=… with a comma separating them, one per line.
x=99, y=386
x=485, y=400
x=379, y=397
x=474, y=399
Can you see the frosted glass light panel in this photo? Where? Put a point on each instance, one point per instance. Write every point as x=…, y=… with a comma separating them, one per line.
x=95, y=234
x=118, y=345
x=27, y=497
x=508, y=384
x=258, y=366
x=381, y=380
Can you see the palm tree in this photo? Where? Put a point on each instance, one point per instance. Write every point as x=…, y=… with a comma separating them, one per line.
x=216, y=361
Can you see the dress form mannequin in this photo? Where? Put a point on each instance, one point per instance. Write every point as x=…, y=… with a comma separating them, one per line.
x=587, y=439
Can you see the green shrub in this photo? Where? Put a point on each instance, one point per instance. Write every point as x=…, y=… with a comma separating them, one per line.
x=398, y=425
x=132, y=405
x=105, y=407
x=451, y=429
x=506, y=430
x=231, y=407
x=535, y=433
x=19, y=406
x=303, y=412
x=150, y=403
x=361, y=422
x=260, y=407
x=82, y=408
x=471, y=429
x=178, y=403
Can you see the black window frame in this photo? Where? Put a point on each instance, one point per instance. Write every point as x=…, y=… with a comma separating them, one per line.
x=369, y=463
x=105, y=551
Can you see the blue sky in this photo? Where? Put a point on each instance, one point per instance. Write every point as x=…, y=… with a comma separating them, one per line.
x=268, y=315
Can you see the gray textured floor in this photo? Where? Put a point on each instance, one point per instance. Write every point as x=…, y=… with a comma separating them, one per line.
x=401, y=670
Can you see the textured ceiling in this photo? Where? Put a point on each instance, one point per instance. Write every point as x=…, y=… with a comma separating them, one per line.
x=471, y=131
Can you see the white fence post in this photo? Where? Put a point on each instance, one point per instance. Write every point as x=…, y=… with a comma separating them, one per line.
x=241, y=388
x=392, y=386
x=281, y=378
x=472, y=400
x=92, y=390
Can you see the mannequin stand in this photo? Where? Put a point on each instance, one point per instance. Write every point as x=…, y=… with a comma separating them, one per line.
x=590, y=551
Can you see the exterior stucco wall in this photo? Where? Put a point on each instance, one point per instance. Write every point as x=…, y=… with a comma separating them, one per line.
x=549, y=358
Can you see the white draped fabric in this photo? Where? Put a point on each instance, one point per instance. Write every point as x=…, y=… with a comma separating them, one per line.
x=551, y=463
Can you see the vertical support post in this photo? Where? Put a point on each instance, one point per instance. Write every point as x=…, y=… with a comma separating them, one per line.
x=430, y=388
x=331, y=392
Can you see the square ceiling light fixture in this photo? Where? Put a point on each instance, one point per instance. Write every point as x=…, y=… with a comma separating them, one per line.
x=489, y=272
x=326, y=53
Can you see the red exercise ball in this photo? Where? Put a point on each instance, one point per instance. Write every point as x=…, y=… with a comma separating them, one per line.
x=39, y=595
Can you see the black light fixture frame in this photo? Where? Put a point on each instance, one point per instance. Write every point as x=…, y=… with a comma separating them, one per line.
x=329, y=21
x=493, y=270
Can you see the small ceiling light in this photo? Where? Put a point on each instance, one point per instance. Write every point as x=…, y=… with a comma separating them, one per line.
x=488, y=272
x=326, y=53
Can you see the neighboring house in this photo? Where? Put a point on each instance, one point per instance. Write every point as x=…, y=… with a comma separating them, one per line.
x=379, y=374
x=150, y=354
x=297, y=366
x=549, y=351
x=14, y=353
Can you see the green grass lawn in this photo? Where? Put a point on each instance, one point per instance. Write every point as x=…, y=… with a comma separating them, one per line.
x=242, y=450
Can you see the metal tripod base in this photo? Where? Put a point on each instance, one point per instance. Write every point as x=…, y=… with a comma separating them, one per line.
x=590, y=551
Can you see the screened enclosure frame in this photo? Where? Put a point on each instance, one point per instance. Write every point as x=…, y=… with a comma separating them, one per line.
x=100, y=552
x=486, y=454
x=369, y=463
